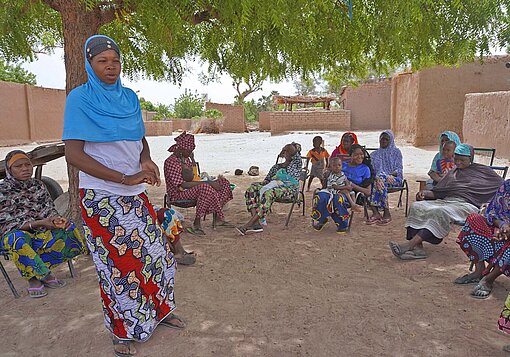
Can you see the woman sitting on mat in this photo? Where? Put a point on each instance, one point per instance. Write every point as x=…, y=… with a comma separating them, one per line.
x=346, y=141
x=210, y=196
x=388, y=167
x=281, y=182
x=461, y=192
x=31, y=229
x=485, y=238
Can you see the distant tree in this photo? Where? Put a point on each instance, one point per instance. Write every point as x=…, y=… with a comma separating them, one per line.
x=306, y=86
x=265, y=103
x=252, y=85
x=189, y=105
x=163, y=112
x=16, y=73
x=147, y=105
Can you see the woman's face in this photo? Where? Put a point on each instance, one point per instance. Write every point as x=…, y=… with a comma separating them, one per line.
x=384, y=141
x=185, y=152
x=444, y=139
x=347, y=142
x=462, y=161
x=22, y=169
x=357, y=157
x=106, y=66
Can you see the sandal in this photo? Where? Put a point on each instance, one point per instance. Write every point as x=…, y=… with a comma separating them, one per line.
x=241, y=231
x=54, y=283
x=372, y=220
x=195, y=231
x=256, y=228
x=396, y=249
x=481, y=291
x=36, y=293
x=383, y=221
x=167, y=321
x=117, y=342
x=185, y=259
x=467, y=279
x=413, y=254
x=318, y=226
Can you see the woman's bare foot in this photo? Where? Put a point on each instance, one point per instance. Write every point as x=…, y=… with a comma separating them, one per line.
x=123, y=348
x=357, y=208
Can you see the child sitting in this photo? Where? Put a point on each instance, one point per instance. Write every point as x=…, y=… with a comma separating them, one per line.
x=319, y=158
x=446, y=163
x=337, y=183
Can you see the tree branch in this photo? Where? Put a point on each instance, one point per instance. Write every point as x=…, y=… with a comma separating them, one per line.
x=106, y=12
x=54, y=4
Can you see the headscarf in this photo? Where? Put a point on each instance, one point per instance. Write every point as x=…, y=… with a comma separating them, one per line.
x=341, y=148
x=184, y=141
x=465, y=150
x=476, y=184
x=100, y=112
x=22, y=201
x=439, y=155
x=388, y=160
x=499, y=207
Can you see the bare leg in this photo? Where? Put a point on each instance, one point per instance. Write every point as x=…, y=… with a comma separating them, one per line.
x=253, y=220
x=197, y=223
x=493, y=275
x=386, y=214
x=310, y=182
x=375, y=212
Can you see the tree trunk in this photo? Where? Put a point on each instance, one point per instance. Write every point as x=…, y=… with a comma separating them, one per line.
x=78, y=24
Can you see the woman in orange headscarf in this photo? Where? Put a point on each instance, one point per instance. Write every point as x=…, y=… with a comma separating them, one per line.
x=348, y=139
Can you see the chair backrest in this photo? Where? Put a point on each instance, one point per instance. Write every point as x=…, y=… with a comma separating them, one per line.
x=484, y=156
x=501, y=170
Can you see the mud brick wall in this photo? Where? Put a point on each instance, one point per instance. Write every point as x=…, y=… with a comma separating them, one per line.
x=233, y=116
x=336, y=120
x=158, y=128
x=265, y=121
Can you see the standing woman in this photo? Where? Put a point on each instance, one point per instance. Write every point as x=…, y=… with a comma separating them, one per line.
x=104, y=138
x=387, y=163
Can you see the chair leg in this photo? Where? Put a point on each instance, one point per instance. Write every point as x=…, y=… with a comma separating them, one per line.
x=399, y=204
x=71, y=268
x=351, y=216
x=290, y=213
x=303, y=197
x=407, y=197
x=9, y=282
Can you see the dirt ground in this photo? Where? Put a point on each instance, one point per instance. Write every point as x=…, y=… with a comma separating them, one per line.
x=284, y=292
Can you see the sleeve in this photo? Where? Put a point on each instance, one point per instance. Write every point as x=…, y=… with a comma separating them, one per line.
x=365, y=175
x=309, y=154
x=271, y=173
x=499, y=206
x=173, y=173
x=335, y=152
x=400, y=165
x=295, y=167
x=434, y=162
x=326, y=154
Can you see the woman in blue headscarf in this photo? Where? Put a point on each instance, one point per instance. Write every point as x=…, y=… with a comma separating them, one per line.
x=104, y=138
x=434, y=174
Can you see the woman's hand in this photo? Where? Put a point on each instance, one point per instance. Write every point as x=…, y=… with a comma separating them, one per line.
x=150, y=166
x=420, y=195
x=390, y=179
x=61, y=222
x=47, y=223
x=347, y=186
x=142, y=177
x=504, y=231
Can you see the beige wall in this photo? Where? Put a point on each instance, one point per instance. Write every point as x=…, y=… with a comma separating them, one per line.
x=30, y=113
x=181, y=124
x=337, y=120
x=370, y=105
x=438, y=104
x=265, y=121
x=487, y=121
x=233, y=117
x=158, y=128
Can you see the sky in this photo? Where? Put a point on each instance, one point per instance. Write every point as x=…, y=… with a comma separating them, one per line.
x=50, y=73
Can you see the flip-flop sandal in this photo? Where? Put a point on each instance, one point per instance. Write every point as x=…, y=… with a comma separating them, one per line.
x=186, y=259
x=54, y=283
x=481, y=292
x=395, y=249
x=123, y=343
x=412, y=255
x=241, y=231
x=383, y=221
x=467, y=279
x=167, y=322
x=195, y=231
x=318, y=226
x=255, y=229
x=40, y=292
x=372, y=220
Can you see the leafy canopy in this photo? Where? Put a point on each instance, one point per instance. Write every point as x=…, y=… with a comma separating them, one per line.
x=15, y=73
x=272, y=39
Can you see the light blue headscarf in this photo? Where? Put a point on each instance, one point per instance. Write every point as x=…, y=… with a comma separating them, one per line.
x=388, y=160
x=465, y=150
x=451, y=136
x=100, y=112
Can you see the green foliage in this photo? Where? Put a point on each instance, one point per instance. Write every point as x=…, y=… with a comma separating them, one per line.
x=15, y=73
x=265, y=102
x=163, y=112
x=147, y=105
x=251, y=112
x=213, y=114
x=267, y=38
x=189, y=105
x=306, y=86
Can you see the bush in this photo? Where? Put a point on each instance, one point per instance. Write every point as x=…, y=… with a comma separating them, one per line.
x=213, y=114
x=189, y=105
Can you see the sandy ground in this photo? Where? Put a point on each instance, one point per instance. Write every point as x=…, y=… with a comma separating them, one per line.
x=284, y=292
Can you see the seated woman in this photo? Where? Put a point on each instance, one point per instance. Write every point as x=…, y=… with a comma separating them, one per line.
x=461, y=192
x=347, y=140
x=388, y=167
x=434, y=172
x=211, y=196
x=484, y=238
x=357, y=172
x=261, y=195
x=31, y=228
